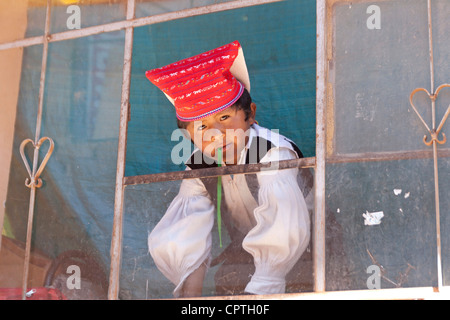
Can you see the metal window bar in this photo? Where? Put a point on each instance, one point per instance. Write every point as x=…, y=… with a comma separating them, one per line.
x=34, y=182
x=385, y=156
x=116, y=242
x=319, y=183
x=434, y=133
x=219, y=171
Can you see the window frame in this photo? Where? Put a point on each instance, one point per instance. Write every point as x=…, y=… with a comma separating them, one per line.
x=318, y=163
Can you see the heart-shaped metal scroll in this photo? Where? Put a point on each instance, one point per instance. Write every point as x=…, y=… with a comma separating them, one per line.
x=434, y=133
x=34, y=181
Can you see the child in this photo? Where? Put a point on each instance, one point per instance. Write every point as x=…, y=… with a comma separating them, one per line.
x=265, y=213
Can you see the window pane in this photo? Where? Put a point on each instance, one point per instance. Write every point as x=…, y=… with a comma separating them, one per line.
x=231, y=266
x=385, y=216
x=278, y=41
x=440, y=10
x=375, y=71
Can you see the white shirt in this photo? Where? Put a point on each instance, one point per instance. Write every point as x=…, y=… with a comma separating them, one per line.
x=277, y=228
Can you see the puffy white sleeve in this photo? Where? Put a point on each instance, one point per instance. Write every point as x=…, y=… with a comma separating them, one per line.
x=282, y=230
x=181, y=241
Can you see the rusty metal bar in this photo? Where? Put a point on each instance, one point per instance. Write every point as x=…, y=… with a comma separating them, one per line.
x=22, y=43
x=385, y=156
x=35, y=172
x=435, y=157
x=438, y=216
x=319, y=183
x=219, y=171
x=133, y=23
x=430, y=46
x=116, y=241
x=434, y=133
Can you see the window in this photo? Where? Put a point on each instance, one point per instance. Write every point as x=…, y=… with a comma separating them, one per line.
x=343, y=74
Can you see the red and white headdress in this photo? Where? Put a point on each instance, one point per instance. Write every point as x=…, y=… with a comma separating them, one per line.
x=204, y=84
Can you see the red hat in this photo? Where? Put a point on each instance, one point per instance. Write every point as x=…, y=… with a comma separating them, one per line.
x=204, y=84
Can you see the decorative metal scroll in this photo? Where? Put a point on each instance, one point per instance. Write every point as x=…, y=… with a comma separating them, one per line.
x=33, y=182
x=434, y=132
x=434, y=141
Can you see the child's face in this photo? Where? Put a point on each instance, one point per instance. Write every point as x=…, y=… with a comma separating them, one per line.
x=227, y=129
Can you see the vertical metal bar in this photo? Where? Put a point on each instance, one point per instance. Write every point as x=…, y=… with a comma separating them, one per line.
x=430, y=44
x=433, y=94
x=435, y=156
x=26, y=263
x=116, y=242
x=319, y=183
x=438, y=218
x=33, y=186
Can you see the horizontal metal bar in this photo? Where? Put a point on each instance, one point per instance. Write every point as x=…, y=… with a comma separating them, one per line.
x=22, y=43
x=285, y=164
x=219, y=171
x=386, y=156
x=138, y=22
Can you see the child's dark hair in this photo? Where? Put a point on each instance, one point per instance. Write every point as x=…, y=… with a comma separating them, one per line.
x=243, y=103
